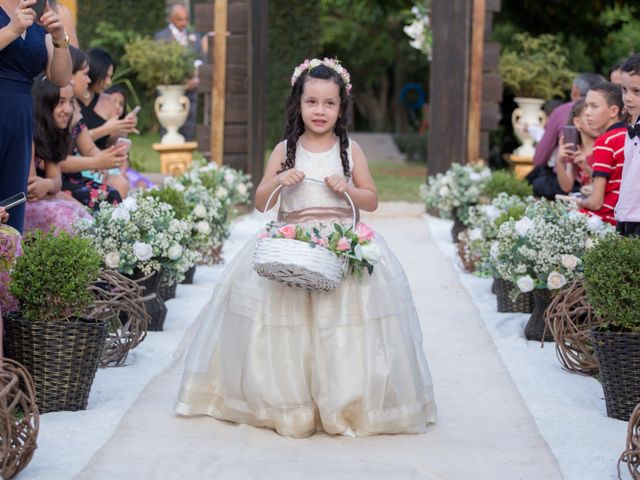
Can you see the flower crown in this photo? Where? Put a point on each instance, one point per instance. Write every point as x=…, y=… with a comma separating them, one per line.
x=332, y=63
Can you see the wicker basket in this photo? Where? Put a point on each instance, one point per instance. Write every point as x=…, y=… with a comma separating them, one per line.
x=631, y=455
x=298, y=264
x=188, y=276
x=61, y=356
x=458, y=227
x=618, y=356
x=154, y=305
x=503, y=288
x=168, y=287
x=467, y=260
x=536, y=327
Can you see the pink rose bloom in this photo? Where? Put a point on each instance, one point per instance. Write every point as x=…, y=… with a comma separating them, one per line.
x=364, y=232
x=343, y=244
x=321, y=242
x=264, y=235
x=288, y=231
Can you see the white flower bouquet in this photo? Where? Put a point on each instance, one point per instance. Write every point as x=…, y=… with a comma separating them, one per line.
x=228, y=185
x=484, y=223
x=141, y=234
x=453, y=192
x=544, y=248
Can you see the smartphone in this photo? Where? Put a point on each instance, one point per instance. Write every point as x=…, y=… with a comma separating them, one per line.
x=16, y=199
x=570, y=135
x=124, y=141
x=135, y=110
x=39, y=8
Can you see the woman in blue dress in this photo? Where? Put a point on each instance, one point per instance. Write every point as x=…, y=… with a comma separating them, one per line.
x=28, y=46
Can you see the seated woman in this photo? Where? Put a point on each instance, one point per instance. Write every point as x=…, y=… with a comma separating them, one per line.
x=135, y=178
x=98, y=110
x=573, y=167
x=46, y=209
x=84, y=171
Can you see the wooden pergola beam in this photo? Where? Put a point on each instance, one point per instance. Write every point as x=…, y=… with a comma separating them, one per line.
x=475, y=81
x=218, y=86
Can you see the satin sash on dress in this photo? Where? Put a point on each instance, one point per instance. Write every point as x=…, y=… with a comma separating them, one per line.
x=318, y=215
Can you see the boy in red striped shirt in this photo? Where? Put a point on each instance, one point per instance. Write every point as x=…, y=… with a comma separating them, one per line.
x=604, y=115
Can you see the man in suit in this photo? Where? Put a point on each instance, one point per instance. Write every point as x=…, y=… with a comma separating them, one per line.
x=178, y=31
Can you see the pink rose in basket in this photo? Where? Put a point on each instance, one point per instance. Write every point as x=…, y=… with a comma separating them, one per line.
x=264, y=235
x=343, y=245
x=364, y=232
x=288, y=231
x=321, y=242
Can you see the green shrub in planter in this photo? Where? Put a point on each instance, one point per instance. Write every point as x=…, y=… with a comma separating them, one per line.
x=612, y=281
x=51, y=278
x=173, y=197
x=502, y=181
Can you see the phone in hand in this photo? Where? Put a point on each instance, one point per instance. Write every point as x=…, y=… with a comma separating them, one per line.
x=14, y=200
x=571, y=135
x=124, y=141
x=39, y=8
x=135, y=110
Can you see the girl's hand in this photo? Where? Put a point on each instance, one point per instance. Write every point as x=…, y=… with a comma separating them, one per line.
x=52, y=23
x=290, y=177
x=121, y=128
x=23, y=17
x=4, y=215
x=566, y=152
x=38, y=188
x=112, y=157
x=336, y=183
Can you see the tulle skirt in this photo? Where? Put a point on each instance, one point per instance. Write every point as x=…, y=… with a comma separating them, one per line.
x=349, y=361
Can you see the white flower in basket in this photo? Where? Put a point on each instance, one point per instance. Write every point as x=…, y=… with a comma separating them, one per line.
x=314, y=258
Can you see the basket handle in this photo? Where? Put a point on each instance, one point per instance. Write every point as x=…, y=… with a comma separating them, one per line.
x=353, y=207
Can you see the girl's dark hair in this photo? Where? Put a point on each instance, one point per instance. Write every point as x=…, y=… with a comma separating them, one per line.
x=121, y=91
x=52, y=144
x=99, y=63
x=79, y=59
x=295, y=125
x=576, y=110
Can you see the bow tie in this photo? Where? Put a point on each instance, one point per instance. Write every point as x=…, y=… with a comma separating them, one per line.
x=633, y=130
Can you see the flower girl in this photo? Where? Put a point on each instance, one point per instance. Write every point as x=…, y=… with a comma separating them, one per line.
x=349, y=361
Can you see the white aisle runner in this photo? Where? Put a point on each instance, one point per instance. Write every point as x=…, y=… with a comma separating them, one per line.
x=484, y=429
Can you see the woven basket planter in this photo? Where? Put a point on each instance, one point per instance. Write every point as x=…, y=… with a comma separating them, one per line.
x=535, y=328
x=167, y=288
x=631, y=455
x=468, y=261
x=618, y=355
x=457, y=228
x=61, y=356
x=570, y=318
x=188, y=276
x=297, y=264
x=503, y=288
x=19, y=418
x=154, y=304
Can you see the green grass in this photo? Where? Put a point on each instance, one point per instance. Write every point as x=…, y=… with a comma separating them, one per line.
x=395, y=181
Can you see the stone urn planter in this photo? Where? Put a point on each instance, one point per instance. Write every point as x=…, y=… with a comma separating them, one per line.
x=172, y=109
x=528, y=114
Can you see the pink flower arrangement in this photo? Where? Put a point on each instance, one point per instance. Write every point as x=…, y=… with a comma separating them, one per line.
x=357, y=245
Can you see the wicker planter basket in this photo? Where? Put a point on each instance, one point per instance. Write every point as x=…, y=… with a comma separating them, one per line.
x=61, y=356
x=458, y=227
x=188, y=276
x=631, y=455
x=468, y=261
x=503, y=288
x=168, y=287
x=535, y=328
x=154, y=304
x=570, y=318
x=19, y=418
x=618, y=355
x=298, y=264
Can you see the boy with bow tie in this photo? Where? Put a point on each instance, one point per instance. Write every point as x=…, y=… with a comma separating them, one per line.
x=628, y=206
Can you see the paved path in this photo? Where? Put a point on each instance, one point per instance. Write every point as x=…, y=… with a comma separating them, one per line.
x=484, y=429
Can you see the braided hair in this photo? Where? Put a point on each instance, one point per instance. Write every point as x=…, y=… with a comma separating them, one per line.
x=295, y=126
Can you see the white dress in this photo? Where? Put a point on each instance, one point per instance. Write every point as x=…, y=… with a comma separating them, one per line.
x=349, y=361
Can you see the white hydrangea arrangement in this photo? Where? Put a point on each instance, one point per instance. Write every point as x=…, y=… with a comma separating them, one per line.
x=484, y=223
x=419, y=29
x=140, y=234
x=455, y=190
x=544, y=249
x=228, y=185
x=207, y=218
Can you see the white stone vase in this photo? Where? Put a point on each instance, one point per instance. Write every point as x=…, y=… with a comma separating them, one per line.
x=172, y=110
x=528, y=114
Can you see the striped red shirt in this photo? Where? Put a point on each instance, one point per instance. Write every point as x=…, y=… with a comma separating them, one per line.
x=607, y=161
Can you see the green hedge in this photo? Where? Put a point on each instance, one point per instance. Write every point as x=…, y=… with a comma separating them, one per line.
x=294, y=34
x=145, y=17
